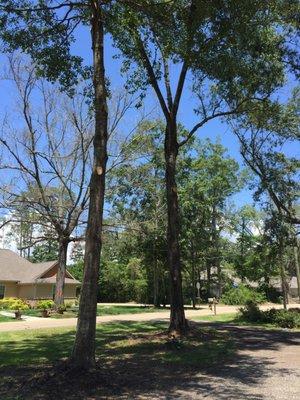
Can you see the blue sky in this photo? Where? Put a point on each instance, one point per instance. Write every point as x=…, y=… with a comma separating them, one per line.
x=213, y=130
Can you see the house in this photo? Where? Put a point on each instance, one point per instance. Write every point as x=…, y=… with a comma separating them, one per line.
x=21, y=278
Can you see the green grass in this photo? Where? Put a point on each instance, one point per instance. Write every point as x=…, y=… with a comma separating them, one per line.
x=118, y=310
x=235, y=318
x=115, y=341
x=101, y=310
x=3, y=318
x=218, y=318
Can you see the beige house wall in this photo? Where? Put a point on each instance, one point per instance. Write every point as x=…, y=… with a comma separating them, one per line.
x=26, y=292
x=45, y=291
x=30, y=291
x=11, y=289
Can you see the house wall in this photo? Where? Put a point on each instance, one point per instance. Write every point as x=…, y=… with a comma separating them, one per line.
x=26, y=292
x=30, y=292
x=11, y=289
x=45, y=291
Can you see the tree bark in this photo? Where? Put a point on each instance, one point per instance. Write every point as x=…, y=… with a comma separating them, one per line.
x=61, y=272
x=83, y=354
x=297, y=267
x=283, y=285
x=178, y=324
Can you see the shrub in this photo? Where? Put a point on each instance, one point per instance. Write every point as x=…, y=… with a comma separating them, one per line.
x=251, y=312
x=18, y=305
x=45, y=304
x=287, y=319
x=241, y=295
x=283, y=318
x=11, y=303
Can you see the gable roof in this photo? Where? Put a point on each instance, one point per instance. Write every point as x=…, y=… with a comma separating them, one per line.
x=17, y=269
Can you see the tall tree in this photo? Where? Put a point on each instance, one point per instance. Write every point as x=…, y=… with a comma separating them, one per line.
x=234, y=56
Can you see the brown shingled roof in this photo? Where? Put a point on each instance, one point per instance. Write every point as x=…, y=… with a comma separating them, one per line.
x=17, y=269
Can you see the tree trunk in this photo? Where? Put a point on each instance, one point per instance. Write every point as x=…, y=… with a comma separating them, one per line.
x=283, y=285
x=83, y=354
x=297, y=267
x=178, y=323
x=193, y=277
x=61, y=272
x=156, y=300
x=208, y=276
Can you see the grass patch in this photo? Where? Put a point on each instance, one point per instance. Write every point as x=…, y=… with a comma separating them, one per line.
x=118, y=310
x=115, y=342
x=236, y=319
x=101, y=310
x=218, y=318
x=3, y=318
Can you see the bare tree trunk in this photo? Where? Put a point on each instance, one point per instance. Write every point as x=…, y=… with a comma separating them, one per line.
x=297, y=267
x=83, y=354
x=283, y=285
x=178, y=323
x=208, y=276
x=193, y=277
x=156, y=301
x=61, y=272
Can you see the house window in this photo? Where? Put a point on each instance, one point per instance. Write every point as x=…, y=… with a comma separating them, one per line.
x=2, y=291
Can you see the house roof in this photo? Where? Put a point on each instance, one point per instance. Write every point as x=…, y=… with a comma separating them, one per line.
x=17, y=269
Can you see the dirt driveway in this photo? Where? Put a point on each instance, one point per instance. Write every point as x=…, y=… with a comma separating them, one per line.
x=266, y=367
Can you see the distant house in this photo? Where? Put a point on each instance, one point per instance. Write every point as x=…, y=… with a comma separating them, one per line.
x=21, y=278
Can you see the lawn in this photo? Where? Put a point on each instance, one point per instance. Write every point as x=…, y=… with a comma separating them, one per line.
x=114, y=341
x=101, y=310
x=3, y=318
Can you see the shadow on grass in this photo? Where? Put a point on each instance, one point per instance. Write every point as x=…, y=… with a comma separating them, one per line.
x=135, y=361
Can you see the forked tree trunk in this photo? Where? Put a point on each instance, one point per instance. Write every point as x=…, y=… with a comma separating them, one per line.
x=83, y=354
x=178, y=323
x=61, y=272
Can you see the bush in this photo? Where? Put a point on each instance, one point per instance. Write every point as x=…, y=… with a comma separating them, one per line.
x=251, y=312
x=283, y=318
x=45, y=304
x=18, y=305
x=4, y=303
x=12, y=303
x=241, y=295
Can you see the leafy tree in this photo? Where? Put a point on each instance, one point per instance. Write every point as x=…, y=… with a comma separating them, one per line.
x=234, y=55
x=45, y=252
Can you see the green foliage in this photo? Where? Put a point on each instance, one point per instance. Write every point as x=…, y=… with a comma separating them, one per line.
x=283, y=318
x=4, y=303
x=76, y=270
x=12, y=303
x=251, y=312
x=241, y=295
x=122, y=282
x=17, y=305
x=45, y=252
x=45, y=304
